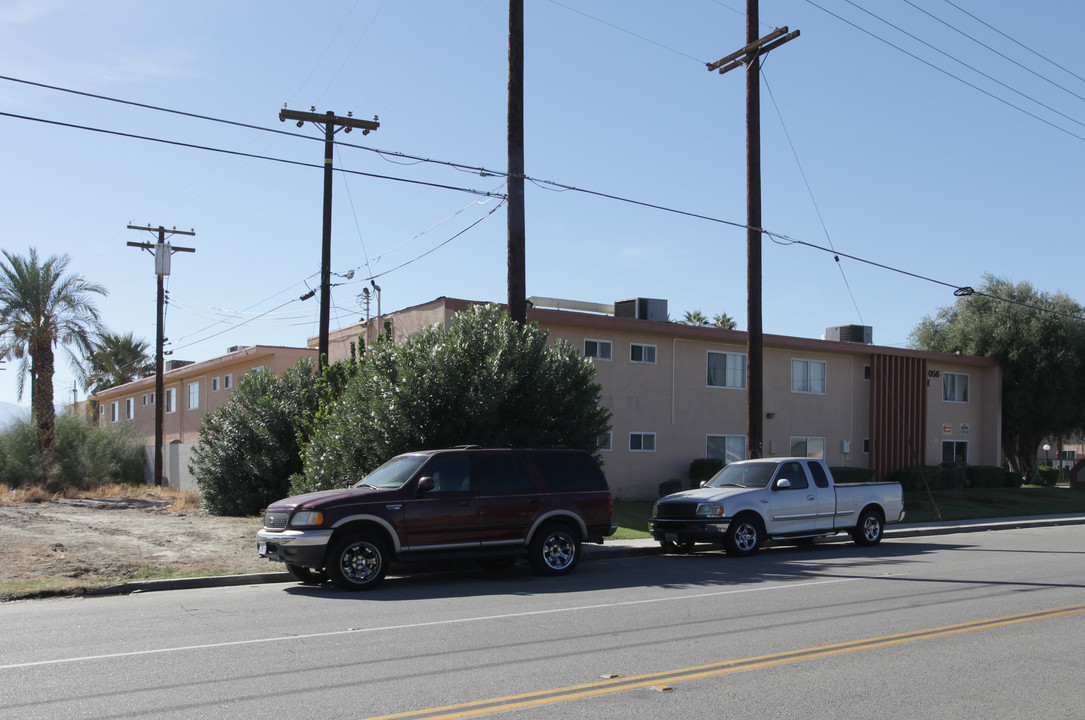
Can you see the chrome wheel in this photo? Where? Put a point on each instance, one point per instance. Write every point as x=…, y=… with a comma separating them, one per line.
x=743, y=537
x=357, y=562
x=868, y=531
x=554, y=551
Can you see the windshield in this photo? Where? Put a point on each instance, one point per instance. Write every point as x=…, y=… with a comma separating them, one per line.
x=747, y=475
x=393, y=473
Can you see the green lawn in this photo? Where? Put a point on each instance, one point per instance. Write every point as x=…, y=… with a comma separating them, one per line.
x=968, y=504
x=979, y=503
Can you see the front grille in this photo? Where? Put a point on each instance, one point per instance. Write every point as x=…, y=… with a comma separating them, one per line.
x=677, y=510
x=276, y=519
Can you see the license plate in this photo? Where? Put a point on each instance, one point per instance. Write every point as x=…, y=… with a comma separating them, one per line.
x=261, y=548
x=672, y=537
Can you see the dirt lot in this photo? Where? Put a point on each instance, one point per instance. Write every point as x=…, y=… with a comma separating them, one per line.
x=62, y=545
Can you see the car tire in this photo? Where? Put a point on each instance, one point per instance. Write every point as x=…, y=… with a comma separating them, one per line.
x=357, y=562
x=554, y=550
x=868, y=531
x=743, y=536
x=305, y=575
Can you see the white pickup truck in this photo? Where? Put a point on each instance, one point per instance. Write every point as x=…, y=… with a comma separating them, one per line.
x=751, y=501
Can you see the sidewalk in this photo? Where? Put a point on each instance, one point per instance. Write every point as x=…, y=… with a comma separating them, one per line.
x=630, y=548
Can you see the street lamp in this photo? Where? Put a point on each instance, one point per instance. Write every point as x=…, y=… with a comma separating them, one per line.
x=1047, y=458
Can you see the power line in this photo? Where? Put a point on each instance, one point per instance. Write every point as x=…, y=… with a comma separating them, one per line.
x=996, y=52
x=629, y=32
x=238, y=153
x=948, y=73
x=1016, y=42
x=776, y=237
x=810, y=192
x=962, y=62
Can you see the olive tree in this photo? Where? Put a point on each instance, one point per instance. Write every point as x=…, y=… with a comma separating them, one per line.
x=249, y=447
x=484, y=380
x=1039, y=340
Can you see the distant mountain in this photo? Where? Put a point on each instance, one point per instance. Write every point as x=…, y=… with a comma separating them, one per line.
x=10, y=412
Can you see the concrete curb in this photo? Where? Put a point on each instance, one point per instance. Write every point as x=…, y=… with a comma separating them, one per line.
x=621, y=548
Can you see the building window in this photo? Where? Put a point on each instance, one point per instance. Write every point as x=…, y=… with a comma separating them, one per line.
x=866, y=446
x=114, y=411
x=728, y=448
x=606, y=442
x=144, y=399
x=599, y=349
x=130, y=408
x=642, y=442
x=955, y=387
x=215, y=384
x=726, y=370
x=866, y=372
x=194, y=396
x=227, y=381
x=808, y=376
x=812, y=447
x=955, y=451
x=153, y=401
x=642, y=353
x=171, y=400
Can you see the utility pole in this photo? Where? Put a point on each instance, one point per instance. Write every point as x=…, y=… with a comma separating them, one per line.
x=162, y=251
x=517, y=231
x=750, y=56
x=332, y=124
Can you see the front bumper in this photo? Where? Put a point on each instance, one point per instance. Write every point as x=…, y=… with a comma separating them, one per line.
x=686, y=531
x=297, y=547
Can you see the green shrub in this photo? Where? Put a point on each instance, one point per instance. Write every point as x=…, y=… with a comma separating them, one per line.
x=85, y=456
x=911, y=479
x=845, y=475
x=988, y=476
x=20, y=459
x=1049, y=476
x=703, y=469
x=668, y=487
x=484, y=380
x=249, y=448
x=952, y=476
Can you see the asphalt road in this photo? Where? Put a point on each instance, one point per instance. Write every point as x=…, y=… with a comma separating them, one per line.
x=950, y=626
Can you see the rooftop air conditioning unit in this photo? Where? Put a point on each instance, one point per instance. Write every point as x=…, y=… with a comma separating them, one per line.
x=235, y=348
x=642, y=309
x=863, y=334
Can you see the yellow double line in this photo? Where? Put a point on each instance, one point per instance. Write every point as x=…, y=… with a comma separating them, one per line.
x=660, y=680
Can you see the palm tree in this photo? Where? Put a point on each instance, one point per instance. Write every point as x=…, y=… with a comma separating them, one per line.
x=694, y=317
x=723, y=320
x=116, y=360
x=40, y=308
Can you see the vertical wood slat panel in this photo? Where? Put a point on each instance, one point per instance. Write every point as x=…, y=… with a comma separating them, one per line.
x=898, y=413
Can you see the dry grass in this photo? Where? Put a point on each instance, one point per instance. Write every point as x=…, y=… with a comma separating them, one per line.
x=178, y=499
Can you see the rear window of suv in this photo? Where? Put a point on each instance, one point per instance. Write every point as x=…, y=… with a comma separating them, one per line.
x=569, y=471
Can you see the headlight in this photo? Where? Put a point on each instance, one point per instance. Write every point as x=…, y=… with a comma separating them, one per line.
x=307, y=518
x=709, y=510
x=655, y=510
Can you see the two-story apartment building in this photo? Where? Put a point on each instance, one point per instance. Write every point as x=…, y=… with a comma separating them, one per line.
x=190, y=391
x=678, y=392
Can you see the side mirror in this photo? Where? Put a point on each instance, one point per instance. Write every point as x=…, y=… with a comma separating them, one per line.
x=783, y=484
x=424, y=485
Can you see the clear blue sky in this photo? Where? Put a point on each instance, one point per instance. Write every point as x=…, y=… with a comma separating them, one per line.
x=909, y=166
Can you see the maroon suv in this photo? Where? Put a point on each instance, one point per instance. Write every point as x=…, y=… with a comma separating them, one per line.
x=492, y=505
